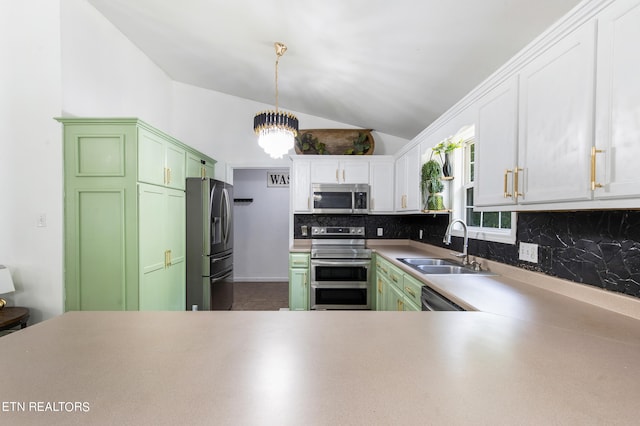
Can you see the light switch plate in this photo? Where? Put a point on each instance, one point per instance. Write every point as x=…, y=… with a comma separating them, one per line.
x=528, y=252
x=379, y=232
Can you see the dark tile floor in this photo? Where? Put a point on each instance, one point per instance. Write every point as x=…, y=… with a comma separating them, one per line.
x=260, y=296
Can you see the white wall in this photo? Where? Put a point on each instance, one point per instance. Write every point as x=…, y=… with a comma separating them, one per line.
x=63, y=58
x=221, y=126
x=105, y=75
x=31, y=153
x=261, y=228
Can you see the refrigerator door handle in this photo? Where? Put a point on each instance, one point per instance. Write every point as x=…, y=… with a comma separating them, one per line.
x=227, y=214
x=218, y=279
x=212, y=220
x=219, y=259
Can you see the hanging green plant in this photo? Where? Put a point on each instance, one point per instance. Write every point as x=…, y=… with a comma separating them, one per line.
x=431, y=185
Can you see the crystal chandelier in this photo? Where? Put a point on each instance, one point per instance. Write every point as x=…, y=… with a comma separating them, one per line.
x=276, y=130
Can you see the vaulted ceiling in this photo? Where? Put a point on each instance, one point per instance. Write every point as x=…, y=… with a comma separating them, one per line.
x=389, y=65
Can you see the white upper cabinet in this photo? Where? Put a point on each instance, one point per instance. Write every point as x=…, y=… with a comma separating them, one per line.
x=556, y=101
x=496, y=146
x=381, y=175
x=407, y=182
x=300, y=186
x=618, y=102
x=340, y=171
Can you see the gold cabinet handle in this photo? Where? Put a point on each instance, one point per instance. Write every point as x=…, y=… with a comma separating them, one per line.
x=594, y=151
x=506, y=173
x=169, y=176
x=344, y=179
x=166, y=258
x=394, y=278
x=203, y=172
x=515, y=182
x=411, y=292
x=337, y=176
x=308, y=203
x=170, y=260
x=380, y=285
x=304, y=280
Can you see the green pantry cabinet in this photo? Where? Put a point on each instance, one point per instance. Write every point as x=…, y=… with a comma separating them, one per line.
x=125, y=214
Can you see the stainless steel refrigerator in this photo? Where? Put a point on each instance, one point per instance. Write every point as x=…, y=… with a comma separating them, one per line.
x=209, y=244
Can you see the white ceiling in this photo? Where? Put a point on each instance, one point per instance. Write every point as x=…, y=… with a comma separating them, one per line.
x=390, y=65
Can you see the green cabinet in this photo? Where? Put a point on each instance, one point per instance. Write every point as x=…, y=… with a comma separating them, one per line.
x=124, y=215
x=160, y=160
x=162, y=248
x=396, y=290
x=299, y=281
x=199, y=167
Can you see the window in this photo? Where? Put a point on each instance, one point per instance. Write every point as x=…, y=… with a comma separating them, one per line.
x=491, y=226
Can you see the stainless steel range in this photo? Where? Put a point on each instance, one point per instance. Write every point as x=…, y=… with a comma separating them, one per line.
x=340, y=269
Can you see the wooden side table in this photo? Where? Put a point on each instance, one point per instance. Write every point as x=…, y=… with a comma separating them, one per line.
x=11, y=317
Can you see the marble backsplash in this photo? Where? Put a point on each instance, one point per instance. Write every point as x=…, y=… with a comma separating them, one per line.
x=599, y=248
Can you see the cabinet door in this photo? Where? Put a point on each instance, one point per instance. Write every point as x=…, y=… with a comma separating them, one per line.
x=400, y=184
x=298, y=289
x=413, y=179
x=301, y=186
x=175, y=228
x=618, y=101
x=151, y=158
x=356, y=171
x=496, y=145
x=152, y=247
x=194, y=166
x=175, y=166
x=394, y=299
x=161, y=231
x=556, y=120
x=407, y=194
x=325, y=171
x=381, y=177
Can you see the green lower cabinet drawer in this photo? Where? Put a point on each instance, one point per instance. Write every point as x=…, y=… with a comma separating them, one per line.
x=410, y=306
x=412, y=289
x=298, y=260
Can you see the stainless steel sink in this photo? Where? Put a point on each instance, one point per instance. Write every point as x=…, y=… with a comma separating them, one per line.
x=425, y=261
x=432, y=266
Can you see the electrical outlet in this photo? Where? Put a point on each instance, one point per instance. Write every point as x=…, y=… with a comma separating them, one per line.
x=42, y=220
x=528, y=252
x=420, y=236
x=379, y=232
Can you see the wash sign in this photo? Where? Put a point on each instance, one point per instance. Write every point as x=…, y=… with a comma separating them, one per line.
x=278, y=179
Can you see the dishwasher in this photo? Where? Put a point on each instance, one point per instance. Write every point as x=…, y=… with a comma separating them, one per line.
x=433, y=301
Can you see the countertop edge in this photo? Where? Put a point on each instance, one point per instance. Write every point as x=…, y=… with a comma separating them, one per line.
x=615, y=302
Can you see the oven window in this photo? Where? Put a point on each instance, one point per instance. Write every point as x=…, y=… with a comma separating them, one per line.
x=341, y=273
x=332, y=200
x=341, y=296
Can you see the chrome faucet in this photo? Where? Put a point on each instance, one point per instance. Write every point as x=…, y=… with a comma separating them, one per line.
x=447, y=240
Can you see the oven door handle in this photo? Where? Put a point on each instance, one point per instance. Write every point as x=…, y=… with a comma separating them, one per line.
x=345, y=262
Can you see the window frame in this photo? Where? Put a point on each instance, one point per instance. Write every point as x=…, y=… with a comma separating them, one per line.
x=506, y=236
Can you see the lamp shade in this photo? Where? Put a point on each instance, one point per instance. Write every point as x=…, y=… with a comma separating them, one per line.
x=6, y=283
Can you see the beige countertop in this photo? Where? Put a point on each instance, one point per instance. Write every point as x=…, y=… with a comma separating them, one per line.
x=527, y=296
x=324, y=368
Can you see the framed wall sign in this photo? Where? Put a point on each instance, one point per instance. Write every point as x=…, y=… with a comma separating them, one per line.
x=277, y=178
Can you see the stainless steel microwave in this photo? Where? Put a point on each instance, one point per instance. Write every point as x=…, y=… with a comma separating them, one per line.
x=340, y=199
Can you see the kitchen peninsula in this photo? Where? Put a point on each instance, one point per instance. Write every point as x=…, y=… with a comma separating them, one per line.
x=319, y=367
